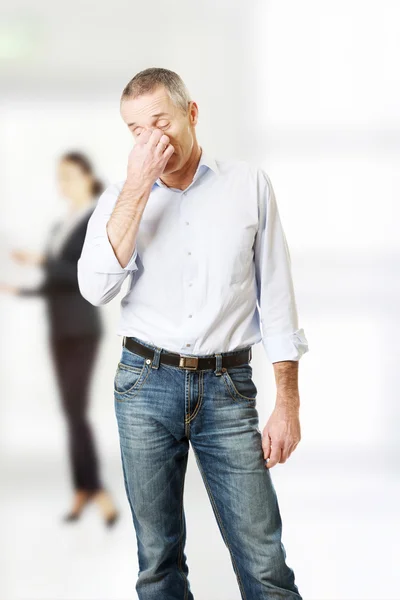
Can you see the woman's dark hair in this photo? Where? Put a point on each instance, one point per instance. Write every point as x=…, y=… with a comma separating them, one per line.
x=80, y=159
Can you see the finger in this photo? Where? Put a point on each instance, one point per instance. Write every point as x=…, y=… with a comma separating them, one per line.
x=287, y=448
x=293, y=448
x=144, y=137
x=155, y=137
x=168, y=153
x=266, y=446
x=285, y=453
x=275, y=456
x=162, y=144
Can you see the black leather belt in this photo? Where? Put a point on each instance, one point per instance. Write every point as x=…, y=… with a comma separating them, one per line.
x=189, y=362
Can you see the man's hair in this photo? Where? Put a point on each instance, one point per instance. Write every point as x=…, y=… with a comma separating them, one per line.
x=148, y=80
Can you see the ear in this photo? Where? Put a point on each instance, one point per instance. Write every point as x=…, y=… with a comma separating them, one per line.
x=193, y=113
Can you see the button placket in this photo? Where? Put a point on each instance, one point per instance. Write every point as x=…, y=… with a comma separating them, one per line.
x=188, y=272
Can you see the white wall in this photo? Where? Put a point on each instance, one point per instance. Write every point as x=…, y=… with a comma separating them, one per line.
x=309, y=91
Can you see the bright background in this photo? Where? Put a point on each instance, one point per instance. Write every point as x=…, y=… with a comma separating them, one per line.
x=308, y=90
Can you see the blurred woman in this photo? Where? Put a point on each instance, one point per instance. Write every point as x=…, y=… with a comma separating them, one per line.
x=75, y=327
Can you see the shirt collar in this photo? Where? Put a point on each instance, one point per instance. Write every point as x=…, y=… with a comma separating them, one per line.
x=206, y=162
x=209, y=161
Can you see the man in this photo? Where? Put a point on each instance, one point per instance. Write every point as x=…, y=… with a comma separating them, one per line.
x=209, y=267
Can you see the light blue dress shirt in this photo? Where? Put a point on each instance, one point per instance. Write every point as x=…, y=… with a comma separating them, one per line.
x=210, y=271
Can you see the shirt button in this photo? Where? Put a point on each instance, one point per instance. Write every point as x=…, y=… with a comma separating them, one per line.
x=190, y=316
x=188, y=345
x=190, y=284
x=187, y=222
x=189, y=253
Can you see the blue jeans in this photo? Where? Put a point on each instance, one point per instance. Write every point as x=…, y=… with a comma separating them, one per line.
x=159, y=409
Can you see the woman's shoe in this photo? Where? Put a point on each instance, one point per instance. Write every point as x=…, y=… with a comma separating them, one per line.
x=71, y=516
x=111, y=519
x=82, y=498
x=107, y=507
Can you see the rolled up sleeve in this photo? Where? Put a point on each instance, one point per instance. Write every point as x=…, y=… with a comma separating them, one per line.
x=281, y=336
x=100, y=275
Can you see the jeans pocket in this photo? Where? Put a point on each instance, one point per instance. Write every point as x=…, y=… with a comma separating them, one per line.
x=132, y=371
x=240, y=384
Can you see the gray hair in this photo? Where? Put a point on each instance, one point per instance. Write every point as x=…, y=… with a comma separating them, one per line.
x=148, y=80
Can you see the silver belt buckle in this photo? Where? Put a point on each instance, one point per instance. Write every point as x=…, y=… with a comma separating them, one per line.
x=188, y=362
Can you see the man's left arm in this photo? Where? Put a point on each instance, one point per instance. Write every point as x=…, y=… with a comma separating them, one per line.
x=283, y=341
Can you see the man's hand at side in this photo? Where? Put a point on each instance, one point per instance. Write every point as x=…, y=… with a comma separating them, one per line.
x=282, y=432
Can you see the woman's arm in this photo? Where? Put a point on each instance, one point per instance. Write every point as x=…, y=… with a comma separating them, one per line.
x=28, y=258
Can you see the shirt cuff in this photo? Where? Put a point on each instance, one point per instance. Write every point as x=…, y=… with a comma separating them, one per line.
x=286, y=347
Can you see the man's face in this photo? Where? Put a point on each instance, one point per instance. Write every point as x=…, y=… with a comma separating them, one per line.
x=156, y=110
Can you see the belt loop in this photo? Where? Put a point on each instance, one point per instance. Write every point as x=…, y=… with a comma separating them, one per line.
x=218, y=360
x=123, y=340
x=156, y=358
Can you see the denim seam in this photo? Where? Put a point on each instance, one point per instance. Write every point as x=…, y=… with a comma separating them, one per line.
x=180, y=552
x=229, y=384
x=199, y=400
x=189, y=395
x=187, y=391
x=130, y=368
x=224, y=534
x=126, y=486
x=133, y=387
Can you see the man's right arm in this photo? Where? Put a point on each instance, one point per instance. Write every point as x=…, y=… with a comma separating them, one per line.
x=109, y=251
